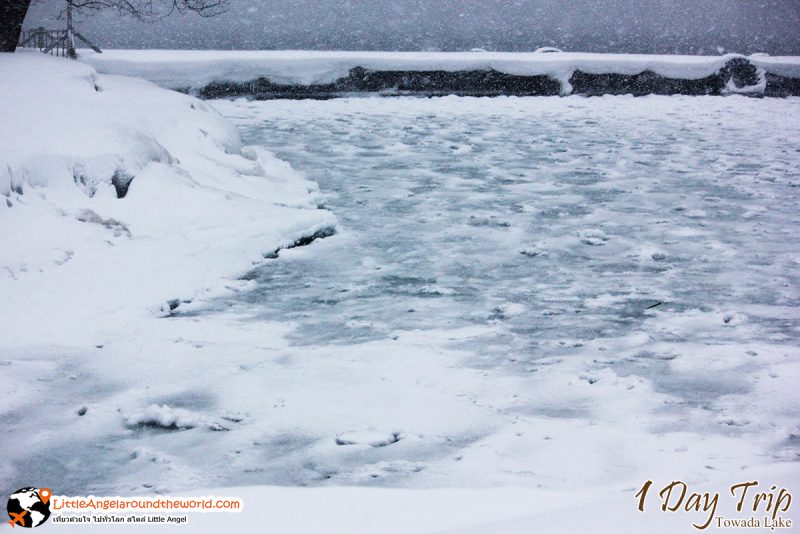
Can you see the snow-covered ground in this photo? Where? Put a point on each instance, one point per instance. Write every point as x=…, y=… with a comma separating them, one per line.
x=499, y=510
x=86, y=276
x=559, y=295
x=197, y=68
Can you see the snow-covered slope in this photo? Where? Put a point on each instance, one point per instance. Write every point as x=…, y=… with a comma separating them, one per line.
x=196, y=69
x=80, y=266
x=197, y=205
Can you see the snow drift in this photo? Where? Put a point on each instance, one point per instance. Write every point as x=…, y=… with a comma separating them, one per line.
x=111, y=182
x=324, y=74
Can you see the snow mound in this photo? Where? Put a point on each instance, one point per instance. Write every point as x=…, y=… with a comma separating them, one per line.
x=371, y=438
x=165, y=417
x=119, y=195
x=71, y=125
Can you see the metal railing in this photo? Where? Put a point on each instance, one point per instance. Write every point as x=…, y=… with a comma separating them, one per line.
x=54, y=42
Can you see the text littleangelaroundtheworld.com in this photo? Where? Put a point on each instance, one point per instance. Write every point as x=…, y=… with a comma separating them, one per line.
x=198, y=504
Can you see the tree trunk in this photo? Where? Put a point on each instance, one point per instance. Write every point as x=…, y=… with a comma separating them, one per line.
x=12, y=14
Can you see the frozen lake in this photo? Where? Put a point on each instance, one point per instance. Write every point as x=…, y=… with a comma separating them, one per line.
x=619, y=265
x=556, y=228
x=565, y=293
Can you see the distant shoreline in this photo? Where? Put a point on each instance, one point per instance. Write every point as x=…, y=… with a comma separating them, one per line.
x=331, y=74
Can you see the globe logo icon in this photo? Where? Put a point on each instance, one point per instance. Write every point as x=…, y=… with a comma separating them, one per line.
x=29, y=507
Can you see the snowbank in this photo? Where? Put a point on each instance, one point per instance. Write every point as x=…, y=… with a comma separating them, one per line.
x=196, y=69
x=119, y=196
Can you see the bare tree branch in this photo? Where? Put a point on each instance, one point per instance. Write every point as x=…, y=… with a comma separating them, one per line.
x=12, y=12
x=155, y=9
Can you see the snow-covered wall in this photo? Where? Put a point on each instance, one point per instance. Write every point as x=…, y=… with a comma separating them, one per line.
x=334, y=72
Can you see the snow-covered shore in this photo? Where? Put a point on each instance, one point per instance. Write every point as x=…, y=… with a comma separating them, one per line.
x=86, y=276
x=196, y=69
x=198, y=207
